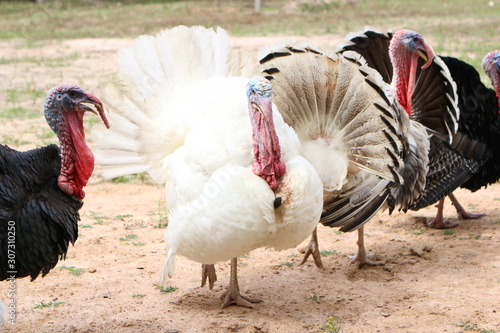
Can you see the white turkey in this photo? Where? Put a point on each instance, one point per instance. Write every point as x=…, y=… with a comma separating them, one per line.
x=233, y=175
x=351, y=205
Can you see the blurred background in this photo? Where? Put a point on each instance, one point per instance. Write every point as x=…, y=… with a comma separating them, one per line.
x=46, y=42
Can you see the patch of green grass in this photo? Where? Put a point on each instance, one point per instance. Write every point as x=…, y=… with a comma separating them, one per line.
x=138, y=295
x=138, y=243
x=471, y=206
x=419, y=232
x=122, y=217
x=73, y=270
x=338, y=232
x=473, y=236
x=316, y=298
x=165, y=290
x=14, y=142
x=29, y=92
x=447, y=23
x=332, y=325
x=42, y=305
x=288, y=263
x=328, y=253
x=19, y=112
x=450, y=232
x=468, y=326
x=85, y=226
x=318, y=6
x=98, y=218
x=129, y=237
x=137, y=178
x=47, y=134
x=162, y=213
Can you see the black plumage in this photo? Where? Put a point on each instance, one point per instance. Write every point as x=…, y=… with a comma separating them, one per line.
x=41, y=189
x=467, y=158
x=472, y=160
x=45, y=219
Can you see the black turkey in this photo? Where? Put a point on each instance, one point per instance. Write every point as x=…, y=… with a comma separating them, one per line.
x=41, y=189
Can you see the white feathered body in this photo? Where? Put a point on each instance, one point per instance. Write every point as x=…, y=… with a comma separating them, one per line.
x=219, y=208
x=180, y=117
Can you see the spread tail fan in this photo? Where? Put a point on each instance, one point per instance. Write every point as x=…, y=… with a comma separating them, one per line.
x=150, y=72
x=435, y=101
x=344, y=116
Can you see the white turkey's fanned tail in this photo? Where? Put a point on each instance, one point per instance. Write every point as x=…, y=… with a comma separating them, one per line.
x=144, y=127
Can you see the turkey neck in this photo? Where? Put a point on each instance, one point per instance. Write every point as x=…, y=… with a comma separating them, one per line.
x=405, y=71
x=77, y=161
x=404, y=53
x=266, y=146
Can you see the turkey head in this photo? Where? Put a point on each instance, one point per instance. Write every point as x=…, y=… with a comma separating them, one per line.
x=65, y=106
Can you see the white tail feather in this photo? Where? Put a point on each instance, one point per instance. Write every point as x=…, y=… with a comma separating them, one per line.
x=145, y=128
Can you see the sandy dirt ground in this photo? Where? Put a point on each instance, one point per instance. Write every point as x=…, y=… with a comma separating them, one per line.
x=433, y=281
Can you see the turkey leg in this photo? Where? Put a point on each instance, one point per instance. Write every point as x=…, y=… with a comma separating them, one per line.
x=208, y=272
x=313, y=249
x=362, y=257
x=232, y=295
x=462, y=214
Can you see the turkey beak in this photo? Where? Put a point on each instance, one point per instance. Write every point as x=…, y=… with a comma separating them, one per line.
x=423, y=55
x=99, y=109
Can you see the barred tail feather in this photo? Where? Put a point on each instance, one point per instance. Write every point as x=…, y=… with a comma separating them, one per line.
x=345, y=117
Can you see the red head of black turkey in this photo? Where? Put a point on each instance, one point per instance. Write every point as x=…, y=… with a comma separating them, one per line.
x=65, y=106
x=491, y=66
x=266, y=146
x=405, y=49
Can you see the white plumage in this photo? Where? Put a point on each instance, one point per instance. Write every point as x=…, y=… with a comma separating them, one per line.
x=178, y=115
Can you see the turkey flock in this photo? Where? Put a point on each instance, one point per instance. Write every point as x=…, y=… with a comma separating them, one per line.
x=255, y=150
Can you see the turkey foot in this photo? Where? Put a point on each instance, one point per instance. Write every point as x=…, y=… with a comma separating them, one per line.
x=312, y=249
x=362, y=257
x=438, y=222
x=208, y=272
x=232, y=295
x=364, y=260
x=462, y=213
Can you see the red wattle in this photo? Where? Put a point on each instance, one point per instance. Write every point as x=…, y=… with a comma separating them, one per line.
x=76, y=176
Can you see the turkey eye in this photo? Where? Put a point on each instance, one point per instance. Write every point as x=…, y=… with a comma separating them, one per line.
x=416, y=40
x=59, y=97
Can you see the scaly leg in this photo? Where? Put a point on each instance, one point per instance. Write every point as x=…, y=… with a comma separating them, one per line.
x=362, y=257
x=313, y=249
x=232, y=295
x=208, y=271
x=462, y=214
x=438, y=222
